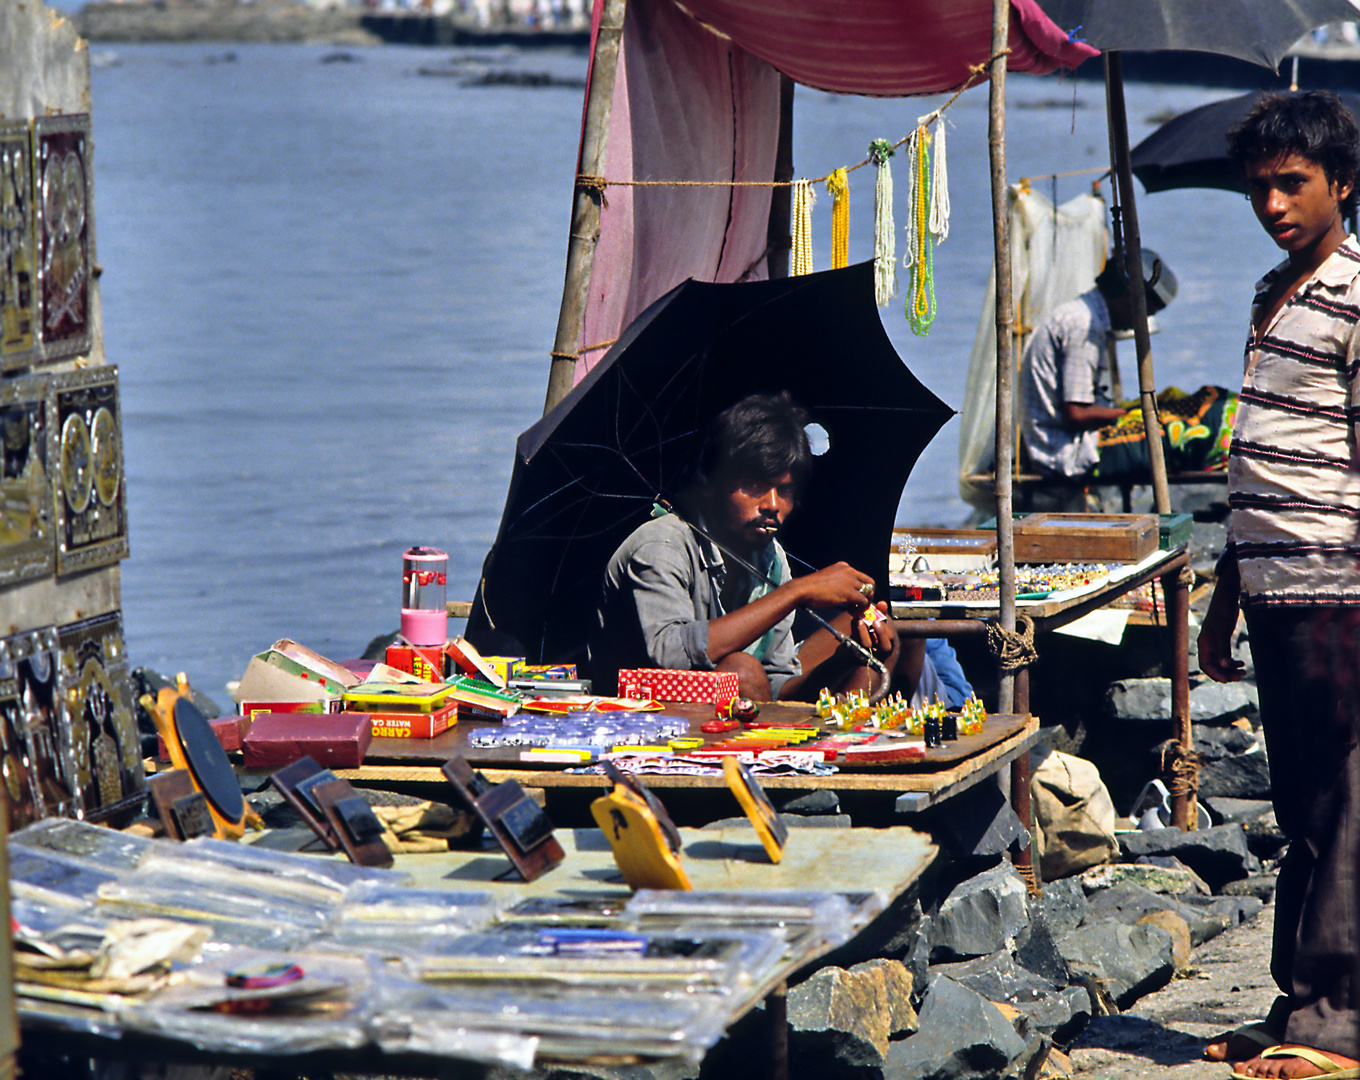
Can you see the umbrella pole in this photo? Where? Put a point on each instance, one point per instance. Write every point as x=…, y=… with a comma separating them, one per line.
x=1133, y=263
x=781, y=199
x=1182, y=803
x=585, y=210
x=1005, y=368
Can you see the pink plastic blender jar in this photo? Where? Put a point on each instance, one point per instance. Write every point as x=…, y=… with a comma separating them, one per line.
x=424, y=615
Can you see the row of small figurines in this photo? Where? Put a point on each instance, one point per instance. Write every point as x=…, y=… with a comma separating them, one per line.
x=934, y=720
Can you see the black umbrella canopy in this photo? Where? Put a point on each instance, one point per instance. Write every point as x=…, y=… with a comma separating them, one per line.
x=586, y=474
x=1191, y=150
x=1258, y=31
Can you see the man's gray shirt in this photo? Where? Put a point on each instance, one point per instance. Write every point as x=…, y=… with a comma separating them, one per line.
x=1066, y=361
x=662, y=587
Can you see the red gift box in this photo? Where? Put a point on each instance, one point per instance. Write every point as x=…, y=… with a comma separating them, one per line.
x=667, y=684
x=335, y=740
x=228, y=730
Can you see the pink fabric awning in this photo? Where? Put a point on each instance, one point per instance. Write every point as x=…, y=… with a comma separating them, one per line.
x=886, y=47
x=696, y=98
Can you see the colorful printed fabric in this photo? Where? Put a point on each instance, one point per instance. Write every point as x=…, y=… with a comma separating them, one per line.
x=1196, y=433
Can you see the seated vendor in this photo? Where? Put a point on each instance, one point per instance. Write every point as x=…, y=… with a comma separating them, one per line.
x=1067, y=371
x=676, y=594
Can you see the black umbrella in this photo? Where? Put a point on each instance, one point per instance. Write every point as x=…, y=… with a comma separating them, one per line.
x=586, y=474
x=1191, y=150
x=1258, y=31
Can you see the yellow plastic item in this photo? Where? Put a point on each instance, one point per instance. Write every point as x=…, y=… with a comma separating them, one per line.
x=773, y=833
x=640, y=849
x=162, y=710
x=423, y=697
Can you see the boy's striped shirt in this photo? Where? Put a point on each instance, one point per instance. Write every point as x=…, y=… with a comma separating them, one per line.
x=1294, y=470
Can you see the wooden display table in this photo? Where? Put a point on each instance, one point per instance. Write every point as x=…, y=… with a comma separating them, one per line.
x=945, y=770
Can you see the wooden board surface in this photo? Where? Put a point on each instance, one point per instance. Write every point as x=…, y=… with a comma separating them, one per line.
x=455, y=741
x=1012, y=734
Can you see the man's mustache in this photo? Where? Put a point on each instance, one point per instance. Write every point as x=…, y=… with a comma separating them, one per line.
x=765, y=520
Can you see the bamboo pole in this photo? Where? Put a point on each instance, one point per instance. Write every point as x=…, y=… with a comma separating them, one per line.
x=1133, y=265
x=585, y=211
x=781, y=199
x=1005, y=366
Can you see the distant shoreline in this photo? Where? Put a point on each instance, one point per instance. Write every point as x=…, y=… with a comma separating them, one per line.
x=285, y=21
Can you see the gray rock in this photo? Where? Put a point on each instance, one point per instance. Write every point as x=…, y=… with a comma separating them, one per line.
x=1218, y=854
x=660, y=1070
x=980, y=822
x=1172, y=880
x=1126, y=962
x=980, y=915
x=1221, y=703
x=1170, y=862
x=1139, y=699
x=1245, y=776
x=841, y=1017
x=1127, y=902
x=1213, y=742
x=917, y=957
x=1136, y=700
x=1064, y=906
x=811, y=803
x=1228, y=810
x=1044, y=1007
x=1265, y=839
x=1258, y=887
x=1036, y=951
x=792, y=821
x=962, y=1036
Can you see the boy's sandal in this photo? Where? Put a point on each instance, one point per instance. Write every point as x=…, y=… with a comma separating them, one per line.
x=1330, y=1069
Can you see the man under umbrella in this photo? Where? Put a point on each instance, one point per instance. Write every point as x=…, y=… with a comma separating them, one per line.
x=709, y=587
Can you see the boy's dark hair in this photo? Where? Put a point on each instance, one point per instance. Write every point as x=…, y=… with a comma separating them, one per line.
x=1314, y=124
x=761, y=437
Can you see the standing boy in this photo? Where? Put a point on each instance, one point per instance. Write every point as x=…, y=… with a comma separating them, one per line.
x=1293, y=562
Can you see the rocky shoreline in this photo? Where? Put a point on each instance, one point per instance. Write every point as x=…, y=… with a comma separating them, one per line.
x=223, y=21
x=274, y=21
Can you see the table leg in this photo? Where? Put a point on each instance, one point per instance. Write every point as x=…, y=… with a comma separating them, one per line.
x=777, y=1009
x=1176, y=589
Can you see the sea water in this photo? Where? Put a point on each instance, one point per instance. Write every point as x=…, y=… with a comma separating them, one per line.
x=330, y=284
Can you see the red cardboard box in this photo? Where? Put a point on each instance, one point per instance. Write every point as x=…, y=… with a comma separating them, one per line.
x=228, y=730
x=335, y=740
x=665, y=684
x=425, y=663
x=414, y=725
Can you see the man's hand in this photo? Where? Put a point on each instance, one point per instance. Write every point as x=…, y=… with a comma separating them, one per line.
x=1216, y=631
x=879, y=637
x=839, y=586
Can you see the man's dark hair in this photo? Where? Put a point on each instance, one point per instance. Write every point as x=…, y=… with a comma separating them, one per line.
x=1314, y=124
x=1160, y=283
x=761, y=437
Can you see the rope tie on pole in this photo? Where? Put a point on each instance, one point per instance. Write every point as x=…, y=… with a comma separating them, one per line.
x=1013, y=649
x=1180, y=766
x=594, y=187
